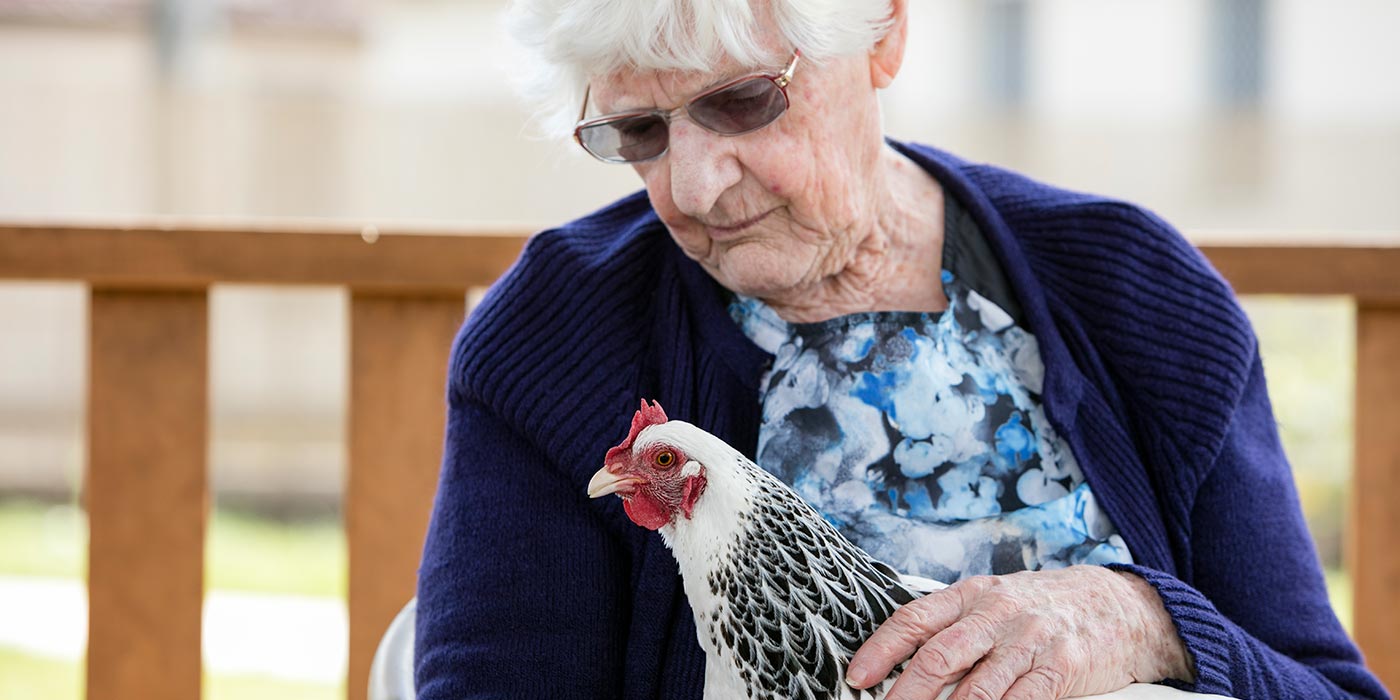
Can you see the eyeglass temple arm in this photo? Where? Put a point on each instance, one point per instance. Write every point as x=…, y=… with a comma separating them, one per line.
x=785, y=77
x=582, y=110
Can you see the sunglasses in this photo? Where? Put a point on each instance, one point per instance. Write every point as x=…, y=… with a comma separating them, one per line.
x=736, y=107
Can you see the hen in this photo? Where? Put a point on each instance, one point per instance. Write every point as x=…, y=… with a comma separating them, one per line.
x=781, y=599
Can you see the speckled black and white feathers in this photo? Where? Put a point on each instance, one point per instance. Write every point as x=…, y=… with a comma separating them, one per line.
x=797, y=600
x=781, y=599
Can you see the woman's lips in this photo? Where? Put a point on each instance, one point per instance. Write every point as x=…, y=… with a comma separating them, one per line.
x=720, y=233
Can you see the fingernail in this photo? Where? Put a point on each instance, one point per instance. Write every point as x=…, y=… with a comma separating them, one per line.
x=857, y=675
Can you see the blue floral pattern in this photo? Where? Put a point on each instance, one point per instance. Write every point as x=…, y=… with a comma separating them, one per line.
x=922, y=438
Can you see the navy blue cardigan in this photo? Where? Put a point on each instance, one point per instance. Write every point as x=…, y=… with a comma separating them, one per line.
x=528, y=589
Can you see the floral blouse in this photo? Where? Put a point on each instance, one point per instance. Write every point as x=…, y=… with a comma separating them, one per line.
x=921, y=436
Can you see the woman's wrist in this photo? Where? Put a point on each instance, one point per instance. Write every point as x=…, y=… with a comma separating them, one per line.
x=1165, y=655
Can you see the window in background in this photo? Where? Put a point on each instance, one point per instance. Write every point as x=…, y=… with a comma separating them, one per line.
x=1238, y=50
x=1004, y=37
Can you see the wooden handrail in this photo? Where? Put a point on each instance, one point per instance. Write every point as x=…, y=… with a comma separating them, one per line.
x=406, y=294
x=404, y=259
x=187, y=255
x=1366, y=272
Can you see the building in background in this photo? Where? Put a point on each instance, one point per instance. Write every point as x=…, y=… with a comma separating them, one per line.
x=1257, y=117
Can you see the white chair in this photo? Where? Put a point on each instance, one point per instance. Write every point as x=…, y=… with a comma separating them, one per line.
x=391, y=672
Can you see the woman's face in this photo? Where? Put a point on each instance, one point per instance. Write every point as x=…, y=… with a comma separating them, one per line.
x=773, y=211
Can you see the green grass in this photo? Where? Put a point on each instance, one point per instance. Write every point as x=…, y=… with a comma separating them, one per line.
x=42, y=540
x=243, y=552
x=1339, y=591
x=1309, y=351
x=247, y=553
x=25, y=677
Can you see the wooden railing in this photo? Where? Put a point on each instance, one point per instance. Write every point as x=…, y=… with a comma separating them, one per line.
x=147, y=484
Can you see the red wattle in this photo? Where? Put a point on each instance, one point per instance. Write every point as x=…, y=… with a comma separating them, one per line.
x=645, y=511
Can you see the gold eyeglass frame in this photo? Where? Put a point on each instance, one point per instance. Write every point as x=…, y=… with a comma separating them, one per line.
x=781, y=80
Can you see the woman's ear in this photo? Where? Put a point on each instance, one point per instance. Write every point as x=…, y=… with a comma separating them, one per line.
x=887, y=55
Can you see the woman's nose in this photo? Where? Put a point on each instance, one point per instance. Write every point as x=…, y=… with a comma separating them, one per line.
x=702, y=167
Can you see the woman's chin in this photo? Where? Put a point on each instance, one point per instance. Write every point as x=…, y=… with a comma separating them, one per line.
x=763, y=281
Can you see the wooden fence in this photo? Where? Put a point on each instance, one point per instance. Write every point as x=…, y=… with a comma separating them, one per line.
x=147, y=485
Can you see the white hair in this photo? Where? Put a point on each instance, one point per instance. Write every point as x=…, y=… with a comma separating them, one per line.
x=568, y=42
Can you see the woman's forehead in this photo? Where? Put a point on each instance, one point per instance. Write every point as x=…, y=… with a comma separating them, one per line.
x=638, y=88
x=630, y=89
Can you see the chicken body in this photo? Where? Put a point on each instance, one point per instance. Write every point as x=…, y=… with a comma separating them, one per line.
x=781, y=599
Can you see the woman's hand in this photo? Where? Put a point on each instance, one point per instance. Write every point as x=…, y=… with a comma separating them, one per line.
x=1030, y=635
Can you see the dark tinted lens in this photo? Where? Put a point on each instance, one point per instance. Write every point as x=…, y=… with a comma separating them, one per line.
x=740, y=107
x=628, y=139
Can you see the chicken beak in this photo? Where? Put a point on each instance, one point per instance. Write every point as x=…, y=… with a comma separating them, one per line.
x=605, y=482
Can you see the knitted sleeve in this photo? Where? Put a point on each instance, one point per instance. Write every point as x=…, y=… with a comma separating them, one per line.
x=1255, y=615
x=521, y=593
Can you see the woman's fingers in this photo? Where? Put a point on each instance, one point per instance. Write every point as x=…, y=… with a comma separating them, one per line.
x=944, y=658
x=1041, y=682
x=905, y=631
x=993, y=676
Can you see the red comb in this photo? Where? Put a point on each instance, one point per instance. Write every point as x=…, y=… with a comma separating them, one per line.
x=645, y=417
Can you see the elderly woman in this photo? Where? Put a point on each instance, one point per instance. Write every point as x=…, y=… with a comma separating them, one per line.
x=1049, y=398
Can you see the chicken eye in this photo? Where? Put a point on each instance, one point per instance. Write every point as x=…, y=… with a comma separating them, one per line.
x=665, y=459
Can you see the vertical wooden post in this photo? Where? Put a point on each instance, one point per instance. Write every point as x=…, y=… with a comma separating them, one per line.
x=399, y=348
x=1374, y=554
x=146, y=493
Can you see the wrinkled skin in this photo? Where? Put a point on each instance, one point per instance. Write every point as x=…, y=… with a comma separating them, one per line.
x=813, y=213
x=1038, y=635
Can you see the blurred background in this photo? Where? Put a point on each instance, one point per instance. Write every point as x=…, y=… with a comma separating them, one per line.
x=1272, y=120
